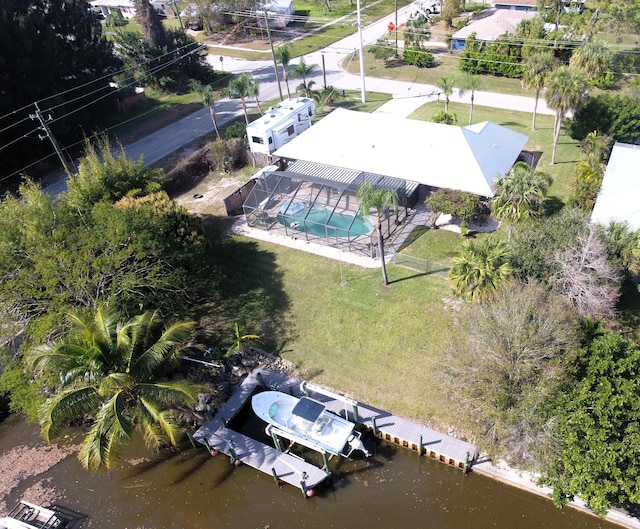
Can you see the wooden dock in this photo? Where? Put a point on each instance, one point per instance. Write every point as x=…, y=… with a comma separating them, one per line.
x=295, y=471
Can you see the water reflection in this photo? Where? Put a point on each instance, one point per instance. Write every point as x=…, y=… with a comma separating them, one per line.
x=395, y=489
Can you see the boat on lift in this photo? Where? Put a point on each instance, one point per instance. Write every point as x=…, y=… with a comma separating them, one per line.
x=307, y=422
x=26, y=515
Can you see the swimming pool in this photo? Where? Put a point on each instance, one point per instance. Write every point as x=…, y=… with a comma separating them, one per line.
x=319, y=221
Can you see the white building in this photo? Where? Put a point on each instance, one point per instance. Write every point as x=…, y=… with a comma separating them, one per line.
x=279, y=12
x=462, y=158
x=280, y=124
x=126, y=7
x=619, y=196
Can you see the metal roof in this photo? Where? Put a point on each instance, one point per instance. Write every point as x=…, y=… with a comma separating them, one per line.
x=462, y=158
x=619, y=196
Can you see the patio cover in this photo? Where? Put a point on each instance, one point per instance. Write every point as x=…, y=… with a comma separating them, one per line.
x=619, y=197
x=461, y=158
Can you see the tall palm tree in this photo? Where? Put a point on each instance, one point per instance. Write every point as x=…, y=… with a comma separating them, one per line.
x=480, y=267
x=519, y=194
x=446, y=85
x=302, y=70
x=471, y=83
x=593, y=58
x=115, y=373
x=240, y=88
x=283, y=56
x=208, y=97
x=566, y=90
x=380, y=199
x=536, y=68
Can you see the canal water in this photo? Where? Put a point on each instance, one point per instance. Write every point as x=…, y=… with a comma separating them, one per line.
x=192, y=490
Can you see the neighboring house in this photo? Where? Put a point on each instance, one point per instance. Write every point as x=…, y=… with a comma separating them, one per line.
x=125, y=7
x=279, y=12
x=490, y=24
x=619, y=196
x=517, y=5
x=418, y=152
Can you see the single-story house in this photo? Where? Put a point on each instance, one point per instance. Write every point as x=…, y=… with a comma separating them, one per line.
x=279, y=12
x=490, y=24
x=126, y=7
x=517, y=5
x=619, y=196
x=467, y=158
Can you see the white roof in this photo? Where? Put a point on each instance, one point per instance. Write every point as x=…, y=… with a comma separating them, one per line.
x=462, y=158
x=619, y=197
x=492, y=23
x=283, y=112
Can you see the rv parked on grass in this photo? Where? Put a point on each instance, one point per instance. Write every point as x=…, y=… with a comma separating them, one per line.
x=280, y=124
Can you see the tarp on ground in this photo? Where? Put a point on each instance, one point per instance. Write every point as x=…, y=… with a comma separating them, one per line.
x=445, y=156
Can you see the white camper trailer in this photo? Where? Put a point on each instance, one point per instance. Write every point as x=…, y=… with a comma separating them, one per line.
x=280, y=124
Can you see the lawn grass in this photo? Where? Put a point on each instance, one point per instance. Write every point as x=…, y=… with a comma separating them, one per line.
x=343, y=328
x=318, y=34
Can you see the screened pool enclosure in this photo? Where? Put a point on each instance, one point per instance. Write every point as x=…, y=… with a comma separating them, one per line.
x=322, y=208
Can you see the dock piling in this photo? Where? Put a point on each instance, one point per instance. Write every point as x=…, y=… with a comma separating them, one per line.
x=261, y=381
x=275, y=477
x=420, y=446
x=374, y=426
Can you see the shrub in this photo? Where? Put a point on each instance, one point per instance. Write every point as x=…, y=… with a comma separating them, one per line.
x=237, y=129
x=227, y=155
x=418, y=57
x=446, y=118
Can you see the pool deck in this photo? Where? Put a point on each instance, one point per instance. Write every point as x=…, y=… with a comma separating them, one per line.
x=293, y=470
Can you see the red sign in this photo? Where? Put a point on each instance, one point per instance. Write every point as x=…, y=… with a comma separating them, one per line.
x=391, y=26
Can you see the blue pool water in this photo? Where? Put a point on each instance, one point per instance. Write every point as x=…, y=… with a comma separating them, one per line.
x=319, y=221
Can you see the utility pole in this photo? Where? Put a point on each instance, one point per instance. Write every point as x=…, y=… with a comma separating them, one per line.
x=359, y=22
x=396, y=8
x=49, y=134
x=273, y=54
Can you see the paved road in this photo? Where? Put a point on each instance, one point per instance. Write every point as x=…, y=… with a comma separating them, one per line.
x=407, y=96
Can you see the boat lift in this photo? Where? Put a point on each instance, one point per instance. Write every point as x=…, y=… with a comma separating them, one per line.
x=306, y=387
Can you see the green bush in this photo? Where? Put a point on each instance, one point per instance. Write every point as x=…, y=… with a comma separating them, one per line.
x=416, y=56
x=237, y=129
x=446, y=118
x=227, y=155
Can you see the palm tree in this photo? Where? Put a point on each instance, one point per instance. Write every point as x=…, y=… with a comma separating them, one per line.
x=480, y=267
x=240, y=88
x=283, y=56
x=114, y=373
x=446, y=85
x=566, y=89
x=471, y=83
x=593, y=58
x=208, y=97
x=536, y=68
x=302, y=70
x=380, y=199
x=253, y=89
x=519, y=194
x=306, y=89
x=596, y=147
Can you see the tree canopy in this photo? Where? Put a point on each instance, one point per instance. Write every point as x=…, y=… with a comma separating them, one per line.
x=507, y=357
x=599, y=457
x=59, y=57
